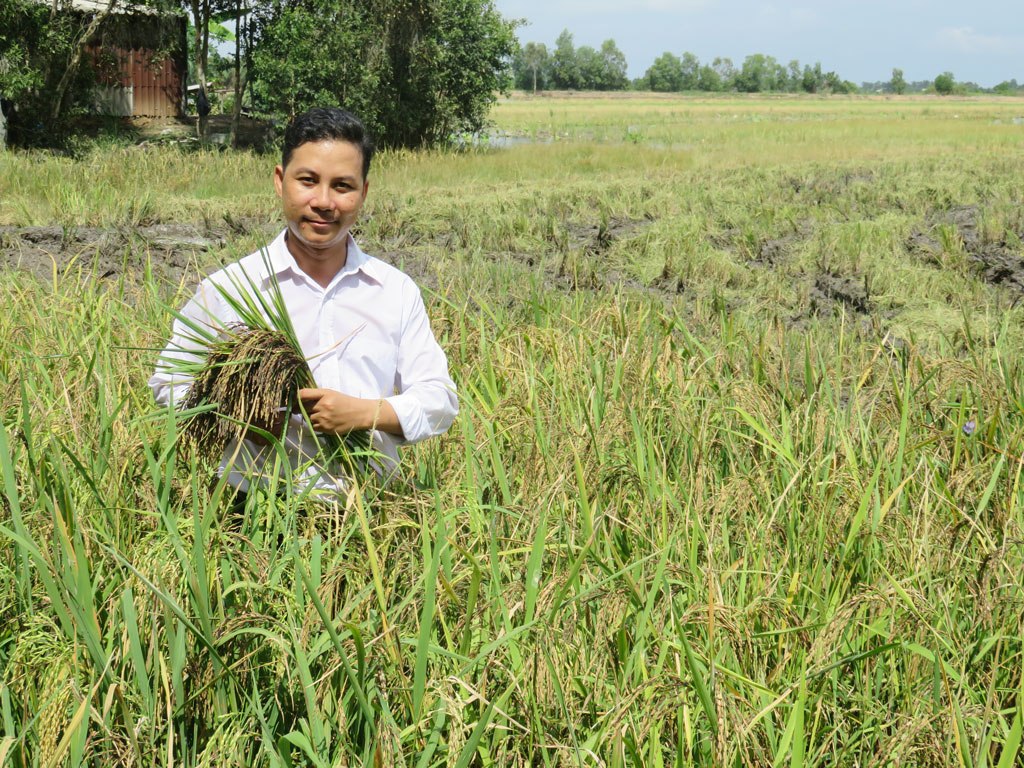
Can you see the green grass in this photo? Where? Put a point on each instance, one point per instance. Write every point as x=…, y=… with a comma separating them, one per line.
x=668, y=529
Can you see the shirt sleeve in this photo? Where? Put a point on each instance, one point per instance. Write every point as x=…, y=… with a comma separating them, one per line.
x=427, y=402
x=171, y=386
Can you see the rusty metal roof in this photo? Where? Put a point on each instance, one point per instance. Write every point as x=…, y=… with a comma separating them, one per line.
x=98, y=6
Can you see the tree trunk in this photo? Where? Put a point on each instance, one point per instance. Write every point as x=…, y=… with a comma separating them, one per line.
x=535, y=80
x=201, y=24
x=236, y=112
x=3, y=129
x=61, y=91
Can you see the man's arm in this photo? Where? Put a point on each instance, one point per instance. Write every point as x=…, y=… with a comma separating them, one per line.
x=426, y=404
x=170, y=386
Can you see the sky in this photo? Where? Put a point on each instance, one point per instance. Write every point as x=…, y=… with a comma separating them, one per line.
x=861, y=40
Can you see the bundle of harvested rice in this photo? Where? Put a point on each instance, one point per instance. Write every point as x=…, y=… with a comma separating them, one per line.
x=252, y=375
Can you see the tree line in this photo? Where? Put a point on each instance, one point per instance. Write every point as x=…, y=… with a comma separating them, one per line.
x=566, y=67
x=944, y=84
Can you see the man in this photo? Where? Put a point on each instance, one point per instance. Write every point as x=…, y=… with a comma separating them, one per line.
x=361, y=323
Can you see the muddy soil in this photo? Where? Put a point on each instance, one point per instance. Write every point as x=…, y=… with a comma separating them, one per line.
x=766, y=253
x=825, y=188
x=1001, y=266
x=596, y=238
x=832, y=292
x=998, y=262
x=174, y=252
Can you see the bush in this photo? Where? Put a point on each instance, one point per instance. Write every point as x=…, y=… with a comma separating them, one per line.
x=945, y=83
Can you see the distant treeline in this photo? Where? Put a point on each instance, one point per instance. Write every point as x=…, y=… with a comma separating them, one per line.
x=944, y=83
x=565, y=67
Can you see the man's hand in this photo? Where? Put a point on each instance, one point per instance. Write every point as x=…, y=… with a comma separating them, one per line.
x=275, y=429
x=331, y=411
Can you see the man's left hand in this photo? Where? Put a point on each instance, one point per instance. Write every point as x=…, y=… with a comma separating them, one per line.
x=331, y=411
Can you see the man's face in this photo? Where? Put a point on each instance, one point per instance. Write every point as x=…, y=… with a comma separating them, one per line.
x=322, y=189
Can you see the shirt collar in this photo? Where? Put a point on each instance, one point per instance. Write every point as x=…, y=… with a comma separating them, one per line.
x=281, y=260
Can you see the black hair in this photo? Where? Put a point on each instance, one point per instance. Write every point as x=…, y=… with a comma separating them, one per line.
x=326, y=124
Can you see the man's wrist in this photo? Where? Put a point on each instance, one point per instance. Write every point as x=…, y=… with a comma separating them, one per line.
x=371, y=413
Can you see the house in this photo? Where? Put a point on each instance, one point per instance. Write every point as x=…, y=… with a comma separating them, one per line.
x=140, y=60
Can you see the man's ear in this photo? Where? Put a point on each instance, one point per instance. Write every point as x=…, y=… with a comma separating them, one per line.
x=279, y=179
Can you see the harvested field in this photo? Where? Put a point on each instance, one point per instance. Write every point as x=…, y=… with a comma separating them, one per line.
x=735, y=479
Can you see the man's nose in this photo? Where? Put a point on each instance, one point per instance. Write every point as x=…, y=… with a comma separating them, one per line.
x=321, y=197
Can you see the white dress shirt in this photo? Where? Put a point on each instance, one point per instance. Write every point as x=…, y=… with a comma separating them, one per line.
x=366, y=335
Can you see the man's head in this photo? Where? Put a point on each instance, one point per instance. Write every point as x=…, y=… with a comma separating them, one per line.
x=328, y=124
x=322, y=180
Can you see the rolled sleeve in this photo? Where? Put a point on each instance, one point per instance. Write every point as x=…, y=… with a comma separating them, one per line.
x=427, y=402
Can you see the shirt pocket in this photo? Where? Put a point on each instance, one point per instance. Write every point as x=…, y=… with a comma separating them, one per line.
x=371, y=358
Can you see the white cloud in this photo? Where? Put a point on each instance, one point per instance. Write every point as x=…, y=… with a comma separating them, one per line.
x=966, y=40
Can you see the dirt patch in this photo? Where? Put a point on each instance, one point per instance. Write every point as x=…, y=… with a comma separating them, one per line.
x=725, y=240
x=832, y=292
x=594, y=239
x=999, y=263
x=668, y=283
x=964, y=218
x=767, y=252
x=820, y=189
x=172, y=251
x=1000, y=266
x=925, y=245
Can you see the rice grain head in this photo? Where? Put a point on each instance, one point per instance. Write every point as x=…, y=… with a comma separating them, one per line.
x=251, y=375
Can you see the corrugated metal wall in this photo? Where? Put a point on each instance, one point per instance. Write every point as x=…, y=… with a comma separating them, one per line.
x=154, y=89
x=157, y=90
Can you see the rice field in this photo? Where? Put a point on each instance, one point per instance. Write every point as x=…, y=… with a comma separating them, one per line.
x=736, y=479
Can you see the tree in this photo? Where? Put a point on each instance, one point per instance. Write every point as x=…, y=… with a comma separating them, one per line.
x=813, y=80
x=565, y=68
x=534, y=57
x=690, y=66
x=945, y=83
x=793, y=77
x=415, y=72
x=757, y=74
x=709, y=79
x=898, y=84
x=613, y=63
x=665, y=74
x=205, y=15
x=591, y=68
x=778, y=76
x=726, y=72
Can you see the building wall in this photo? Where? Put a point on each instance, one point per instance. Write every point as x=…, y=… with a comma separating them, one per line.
x=136, y=81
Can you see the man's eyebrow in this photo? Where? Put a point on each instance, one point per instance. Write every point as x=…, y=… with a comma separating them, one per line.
x=344, y=177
